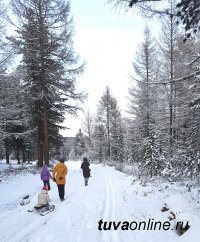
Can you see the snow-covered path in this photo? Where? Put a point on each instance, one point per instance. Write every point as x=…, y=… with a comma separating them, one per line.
x=109, y=197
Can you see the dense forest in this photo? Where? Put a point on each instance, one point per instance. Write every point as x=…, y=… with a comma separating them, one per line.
x=38, y=92
x=160, y=133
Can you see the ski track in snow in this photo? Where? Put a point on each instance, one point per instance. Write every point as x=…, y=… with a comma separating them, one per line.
x=109, y=196
x=109, y=210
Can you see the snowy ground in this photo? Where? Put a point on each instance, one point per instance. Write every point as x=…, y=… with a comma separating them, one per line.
x=110, y=196
x=13, y=165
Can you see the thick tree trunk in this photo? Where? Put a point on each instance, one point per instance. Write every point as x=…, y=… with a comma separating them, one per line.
x=23, y=156
x=39, y=147
x=40, y=154
x=171, y=86
x=46, y=138
x=28, y=156
x=7, y=151
x=18, y=156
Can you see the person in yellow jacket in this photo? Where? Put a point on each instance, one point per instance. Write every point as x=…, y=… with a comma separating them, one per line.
x=59, y=173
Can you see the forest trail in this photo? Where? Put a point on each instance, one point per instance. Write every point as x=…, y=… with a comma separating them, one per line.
x=109, y=197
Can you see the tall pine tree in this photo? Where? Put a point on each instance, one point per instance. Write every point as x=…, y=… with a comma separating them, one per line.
x=44, y=38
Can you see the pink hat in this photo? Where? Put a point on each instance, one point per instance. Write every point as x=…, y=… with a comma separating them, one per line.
x=45, y=188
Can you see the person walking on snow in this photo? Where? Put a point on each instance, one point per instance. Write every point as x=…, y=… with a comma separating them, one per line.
x=45, y=176
x=43, y=197
x=59, y=173
x=86, y=170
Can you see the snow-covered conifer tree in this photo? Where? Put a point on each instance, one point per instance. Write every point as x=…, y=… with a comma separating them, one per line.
x=109, y=116
x=79, y=145
x=143, y=102
x=44, y=38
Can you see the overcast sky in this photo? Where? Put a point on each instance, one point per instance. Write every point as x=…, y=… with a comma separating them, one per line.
x=107, y=40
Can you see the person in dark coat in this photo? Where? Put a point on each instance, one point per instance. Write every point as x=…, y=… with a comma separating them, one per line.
x=86, y=170
x=45, y=176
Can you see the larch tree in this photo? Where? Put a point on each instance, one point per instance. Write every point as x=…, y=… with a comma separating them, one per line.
x=117, y=136
x=44, y=32
x=109, y=117
x=168, y=48
x=143, y=102
x=193, y=101
x=104, y=116
x=5, y=48
x=79, y=145
x=88, y=130
x=7, y=86
x=187, y=11
x=14, y=117
x=99, y=141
